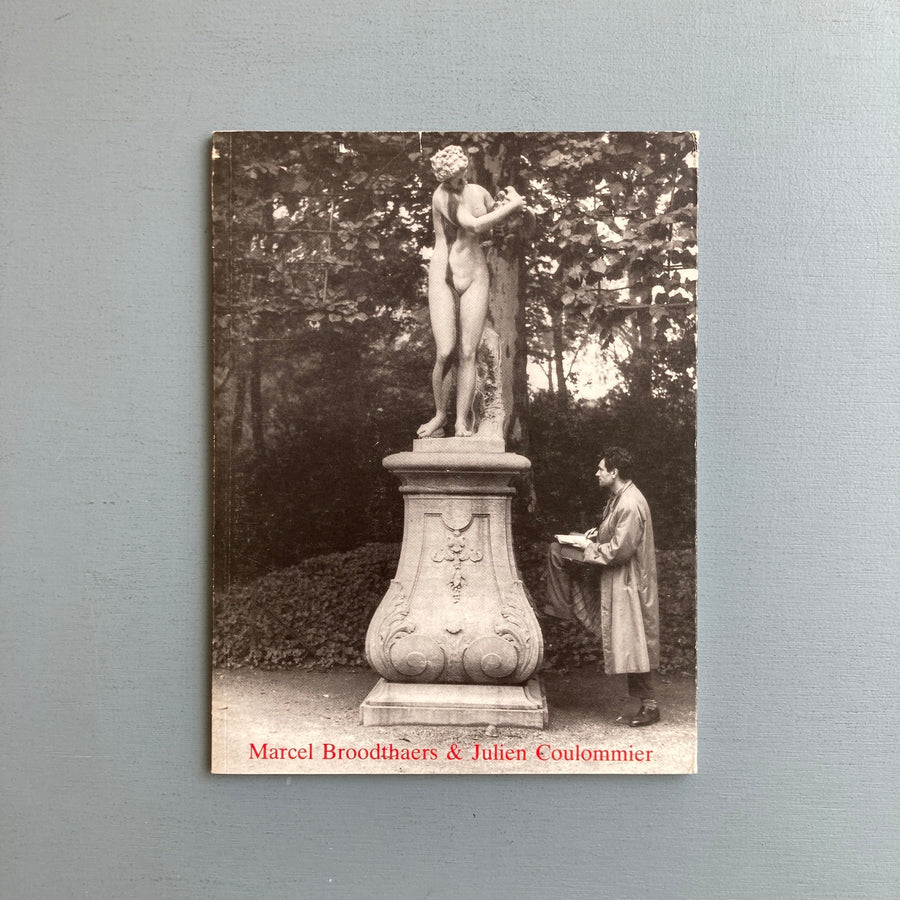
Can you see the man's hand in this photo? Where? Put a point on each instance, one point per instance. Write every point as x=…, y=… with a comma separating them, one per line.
x=591, y=534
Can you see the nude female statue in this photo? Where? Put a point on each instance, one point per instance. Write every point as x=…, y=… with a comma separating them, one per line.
x=458, y=282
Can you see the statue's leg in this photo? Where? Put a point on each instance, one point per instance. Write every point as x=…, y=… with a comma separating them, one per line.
x=473, y=307
x=442, y=310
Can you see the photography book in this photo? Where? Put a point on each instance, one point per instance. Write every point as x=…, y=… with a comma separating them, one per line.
x=430, y=352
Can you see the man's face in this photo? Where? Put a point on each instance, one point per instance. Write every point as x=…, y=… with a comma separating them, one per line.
x=604, y=477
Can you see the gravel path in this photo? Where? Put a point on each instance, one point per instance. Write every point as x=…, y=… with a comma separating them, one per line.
x=299, y=722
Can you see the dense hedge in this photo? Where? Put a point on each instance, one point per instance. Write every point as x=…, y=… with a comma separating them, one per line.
x=314, y=615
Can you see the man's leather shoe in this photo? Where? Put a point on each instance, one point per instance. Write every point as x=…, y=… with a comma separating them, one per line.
x=646, y=715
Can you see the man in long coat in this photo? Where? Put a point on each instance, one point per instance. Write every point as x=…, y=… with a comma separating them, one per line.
x=606, y=580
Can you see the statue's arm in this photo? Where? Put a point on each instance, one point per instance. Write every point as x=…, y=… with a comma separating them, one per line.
x=480, y=215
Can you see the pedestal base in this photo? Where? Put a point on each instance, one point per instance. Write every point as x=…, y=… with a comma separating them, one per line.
x=520, y=705
x=456, y=612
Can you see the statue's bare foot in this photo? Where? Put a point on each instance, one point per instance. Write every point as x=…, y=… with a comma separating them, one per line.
x=433, y=428
x=465, y=425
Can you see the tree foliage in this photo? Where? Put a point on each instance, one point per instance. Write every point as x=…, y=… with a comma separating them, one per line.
x=322, y=347
x=618, y=255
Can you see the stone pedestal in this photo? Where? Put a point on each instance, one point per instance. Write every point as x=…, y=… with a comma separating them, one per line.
x=517, y=705
x=456, y=614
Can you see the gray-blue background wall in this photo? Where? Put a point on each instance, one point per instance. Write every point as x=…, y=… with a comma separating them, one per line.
x=107, y=111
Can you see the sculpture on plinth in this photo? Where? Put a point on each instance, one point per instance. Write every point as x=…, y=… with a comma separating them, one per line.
x=455, y=638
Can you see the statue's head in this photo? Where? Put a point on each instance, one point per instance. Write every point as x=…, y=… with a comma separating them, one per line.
x=449, y=162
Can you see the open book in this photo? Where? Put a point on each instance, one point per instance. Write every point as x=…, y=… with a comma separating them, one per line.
x=572, y=540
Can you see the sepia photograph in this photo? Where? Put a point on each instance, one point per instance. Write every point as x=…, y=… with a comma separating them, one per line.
x=454, y=461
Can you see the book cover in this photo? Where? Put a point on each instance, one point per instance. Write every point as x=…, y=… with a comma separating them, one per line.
x=454, y=452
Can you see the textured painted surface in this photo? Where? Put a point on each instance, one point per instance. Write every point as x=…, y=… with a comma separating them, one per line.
x=107, y=109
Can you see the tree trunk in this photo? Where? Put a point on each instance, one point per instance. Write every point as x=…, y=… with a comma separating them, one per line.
x=496, y=168
x=237, y=418
x=256, y=415
x=557, y=363
x=641, y=381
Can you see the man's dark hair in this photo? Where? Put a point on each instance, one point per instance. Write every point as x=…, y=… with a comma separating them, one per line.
x=618, y=458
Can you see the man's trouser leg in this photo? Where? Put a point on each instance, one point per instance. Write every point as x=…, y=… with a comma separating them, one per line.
x=640, y=685
x=562, y=567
